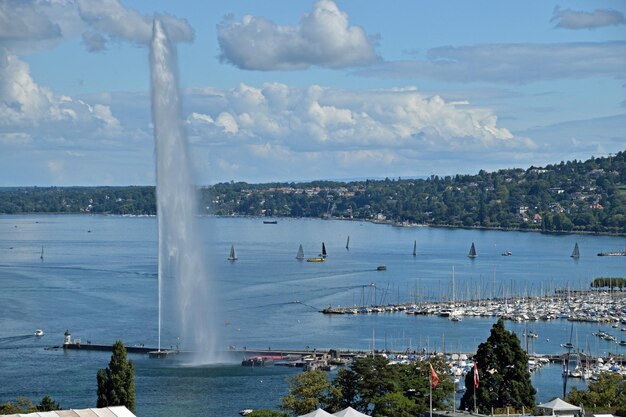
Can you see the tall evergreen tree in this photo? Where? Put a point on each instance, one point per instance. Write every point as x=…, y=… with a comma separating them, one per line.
x=504, y=378
x=116, y=383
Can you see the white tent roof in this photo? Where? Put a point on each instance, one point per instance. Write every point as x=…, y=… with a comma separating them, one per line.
x=117, y=411
x=559, y=405
x=317, y=413
x=349, y=412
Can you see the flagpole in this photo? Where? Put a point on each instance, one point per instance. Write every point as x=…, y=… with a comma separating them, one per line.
x=476, y=411
x=476, y=378
x=430, y=385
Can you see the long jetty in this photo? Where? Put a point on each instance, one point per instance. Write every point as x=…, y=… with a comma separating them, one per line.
x=317, y=352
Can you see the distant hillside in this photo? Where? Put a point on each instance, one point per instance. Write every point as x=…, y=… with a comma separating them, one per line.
x=585, y=196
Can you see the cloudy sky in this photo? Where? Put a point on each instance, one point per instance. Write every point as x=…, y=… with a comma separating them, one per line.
x=294, y=91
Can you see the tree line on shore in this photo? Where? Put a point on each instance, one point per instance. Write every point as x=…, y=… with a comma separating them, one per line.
x=609, y=282
x=585, y=196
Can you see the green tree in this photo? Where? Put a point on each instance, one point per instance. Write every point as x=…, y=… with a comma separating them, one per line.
x=503, y=374
x=116, y=383
x=48, y=404
x=397, y=405
x=307, y=392
x=373, y=386
x=22, y=405
x=609, y=391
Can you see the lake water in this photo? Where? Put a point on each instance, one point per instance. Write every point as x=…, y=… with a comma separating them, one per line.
x=98, y=279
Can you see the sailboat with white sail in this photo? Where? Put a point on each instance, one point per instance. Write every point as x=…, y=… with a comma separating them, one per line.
x=576, y=252
x=472, y=252
x=300, y=254
x=233, y=255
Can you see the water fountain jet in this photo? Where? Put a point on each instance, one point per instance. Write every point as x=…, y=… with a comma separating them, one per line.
x=182, y=274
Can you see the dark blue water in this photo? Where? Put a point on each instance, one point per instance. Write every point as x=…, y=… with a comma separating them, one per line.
x=98, y=279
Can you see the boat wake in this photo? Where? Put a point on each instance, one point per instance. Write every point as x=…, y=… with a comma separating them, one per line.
x=13, y=339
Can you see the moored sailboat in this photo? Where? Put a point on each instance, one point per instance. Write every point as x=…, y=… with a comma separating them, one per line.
x=472, y=253
x=233, y=254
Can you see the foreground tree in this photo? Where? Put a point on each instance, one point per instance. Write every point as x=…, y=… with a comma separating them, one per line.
x=48, y=404
x=23, y=405
x=116, y=383
x=609, y=391
x=307, y=392
x=373, y=386
x=504, y=378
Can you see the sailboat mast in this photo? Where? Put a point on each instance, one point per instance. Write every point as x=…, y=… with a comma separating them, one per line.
x=453, y=286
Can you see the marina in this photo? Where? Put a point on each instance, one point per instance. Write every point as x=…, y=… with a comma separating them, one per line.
x=587, y=306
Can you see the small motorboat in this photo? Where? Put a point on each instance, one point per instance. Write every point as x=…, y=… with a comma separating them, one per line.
x=507, y=253
x=38, y=332
x=245, y=411
x=381, y=268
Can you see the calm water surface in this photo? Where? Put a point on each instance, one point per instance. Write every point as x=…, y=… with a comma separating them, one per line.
x=98, y=279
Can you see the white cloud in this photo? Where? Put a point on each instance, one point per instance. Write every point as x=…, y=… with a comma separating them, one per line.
x=319, y=118
x=94, y=41
x=20, y=21
x=55, y=167
x=28, y=25
x=112, y=18
x=27, y=108
x=14, y=139
x=322, y=38
x=511, y=63
x=574, y=19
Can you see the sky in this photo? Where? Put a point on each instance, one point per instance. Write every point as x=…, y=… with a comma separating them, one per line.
x=295, y=91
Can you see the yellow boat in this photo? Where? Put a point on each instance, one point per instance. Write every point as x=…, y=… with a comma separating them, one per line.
x=318, y=259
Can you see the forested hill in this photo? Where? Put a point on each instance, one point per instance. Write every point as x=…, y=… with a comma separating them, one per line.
x=569, y=196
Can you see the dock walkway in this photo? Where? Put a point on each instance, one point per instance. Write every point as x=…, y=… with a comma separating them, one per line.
x=317, y=352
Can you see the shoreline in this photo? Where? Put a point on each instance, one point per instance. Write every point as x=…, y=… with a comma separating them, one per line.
x=381, y=222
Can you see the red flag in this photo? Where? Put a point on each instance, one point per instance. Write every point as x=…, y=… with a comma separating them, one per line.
x=476, y=378
x=434, y=378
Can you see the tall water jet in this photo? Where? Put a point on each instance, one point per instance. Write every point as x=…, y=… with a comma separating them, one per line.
x=182, y=274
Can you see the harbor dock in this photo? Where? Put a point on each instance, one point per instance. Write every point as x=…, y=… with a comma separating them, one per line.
x=296, y=354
